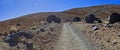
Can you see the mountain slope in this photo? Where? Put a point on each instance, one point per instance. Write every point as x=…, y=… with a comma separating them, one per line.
x=102, y=11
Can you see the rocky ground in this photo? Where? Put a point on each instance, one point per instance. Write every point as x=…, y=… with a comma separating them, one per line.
x=44, y=38
x=70, y=36
x=105, y=38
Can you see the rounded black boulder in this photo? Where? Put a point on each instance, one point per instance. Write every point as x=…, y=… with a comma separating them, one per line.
x=57, y=20
x=12, y=39
x=90, y=18
x=114, y=17
x=76, y=19
x=53, y=18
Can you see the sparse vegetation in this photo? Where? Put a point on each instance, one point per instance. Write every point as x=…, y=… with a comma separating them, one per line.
x=44, y=35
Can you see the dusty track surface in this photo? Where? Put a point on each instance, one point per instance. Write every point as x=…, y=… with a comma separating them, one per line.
x=69, y=40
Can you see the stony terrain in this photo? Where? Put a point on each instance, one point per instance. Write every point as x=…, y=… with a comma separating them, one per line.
x=102, y=11
x=42, y=40
x=105, y=38
x=67, y=35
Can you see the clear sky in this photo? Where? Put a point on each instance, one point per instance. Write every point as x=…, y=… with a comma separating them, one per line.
x=15, y=8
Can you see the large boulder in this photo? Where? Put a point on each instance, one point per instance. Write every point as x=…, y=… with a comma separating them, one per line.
x=53, y=18
x=57, y=20
x=50, y=18
x=113, y=18
x=12, y=39
x=76, y=19
x=90, y=18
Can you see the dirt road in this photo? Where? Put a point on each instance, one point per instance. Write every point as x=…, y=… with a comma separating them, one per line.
x=69, y=40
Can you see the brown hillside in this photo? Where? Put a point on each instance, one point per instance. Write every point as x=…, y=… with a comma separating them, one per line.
x=102, y=11
x=29, y=20
x=66, y=35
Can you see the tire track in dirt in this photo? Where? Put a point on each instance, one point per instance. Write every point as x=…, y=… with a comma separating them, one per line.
x=69, y=40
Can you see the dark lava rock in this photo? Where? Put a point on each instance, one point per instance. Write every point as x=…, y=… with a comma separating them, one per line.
x=115, y=17
x=90, y=18
x=53, y=18
x=76, y=19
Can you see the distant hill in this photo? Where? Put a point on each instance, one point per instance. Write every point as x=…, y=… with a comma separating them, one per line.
x=27, y=21
x=101, y=11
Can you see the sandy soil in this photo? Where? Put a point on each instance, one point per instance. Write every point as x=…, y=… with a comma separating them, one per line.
x=69, y=40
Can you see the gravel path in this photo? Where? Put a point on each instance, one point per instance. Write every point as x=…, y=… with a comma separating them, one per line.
x=69, y=40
